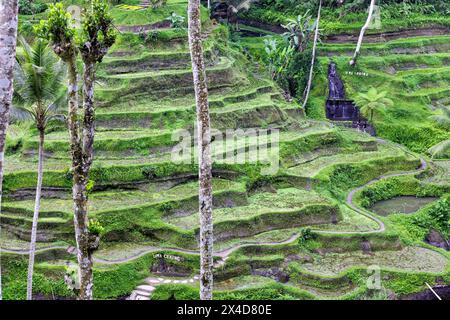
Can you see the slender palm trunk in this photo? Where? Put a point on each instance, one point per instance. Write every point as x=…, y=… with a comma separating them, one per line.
x=37, y=205
x=311, y=71
x=361, y=35
x=204, y=140
x=8, y=41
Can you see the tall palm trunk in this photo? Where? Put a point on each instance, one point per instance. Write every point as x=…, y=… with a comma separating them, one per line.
x=8, y=41
x=311, y=71
x=37, y=205
x=204, y=140
x=80, y=180
x=361, y=35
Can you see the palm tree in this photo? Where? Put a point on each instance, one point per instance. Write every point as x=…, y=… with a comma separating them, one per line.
x=363, y=31
x=371, y=102
x=204, y=150
x=8, y=37
x=443, y=120
x=313, y=57
x=40, y=89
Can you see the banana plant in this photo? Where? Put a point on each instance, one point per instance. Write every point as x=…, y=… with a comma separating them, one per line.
x=299, y=31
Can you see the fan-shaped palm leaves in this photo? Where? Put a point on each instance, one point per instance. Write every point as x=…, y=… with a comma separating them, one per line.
x=39, y=91
x=443, y=120
x=371, y=102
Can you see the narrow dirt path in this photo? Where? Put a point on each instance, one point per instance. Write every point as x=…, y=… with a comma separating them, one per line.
x=26, y=251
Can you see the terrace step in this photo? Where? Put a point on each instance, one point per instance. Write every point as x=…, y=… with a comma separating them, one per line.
x=388, y=36
x=148, y=195
x=231, y=116
x=173, y=83
x=314, y=167
x=426, y=45
x=159, y=61
x=288, y=208
x=186, y=103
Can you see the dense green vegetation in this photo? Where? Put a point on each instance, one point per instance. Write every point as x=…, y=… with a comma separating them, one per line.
x=305, y=232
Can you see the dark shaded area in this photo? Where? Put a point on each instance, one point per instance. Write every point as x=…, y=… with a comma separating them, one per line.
x=338, y=108
x=436, y=239
x=442, y=291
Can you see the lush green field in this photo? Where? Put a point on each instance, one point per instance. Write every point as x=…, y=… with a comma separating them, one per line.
x=304, y=232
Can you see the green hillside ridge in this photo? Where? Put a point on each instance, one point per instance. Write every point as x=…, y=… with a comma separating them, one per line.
x=306, y=232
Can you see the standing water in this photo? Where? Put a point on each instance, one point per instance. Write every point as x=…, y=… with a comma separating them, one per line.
x=402, y=204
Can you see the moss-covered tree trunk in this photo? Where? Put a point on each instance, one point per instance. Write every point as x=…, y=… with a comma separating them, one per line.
x=8, y=41
x=37, y=206
x=85, y=242
x=79, y=188
x=204, y=151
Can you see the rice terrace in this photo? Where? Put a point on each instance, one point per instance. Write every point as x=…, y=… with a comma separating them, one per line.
x=225, y=149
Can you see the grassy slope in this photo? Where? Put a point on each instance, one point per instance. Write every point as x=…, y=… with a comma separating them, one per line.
x=331, y=161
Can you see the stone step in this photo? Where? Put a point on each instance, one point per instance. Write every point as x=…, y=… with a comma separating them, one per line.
x=152, y=281
x=132, y=296
x=145, y=288
x=142, y=293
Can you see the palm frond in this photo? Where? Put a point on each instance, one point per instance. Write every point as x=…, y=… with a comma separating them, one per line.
x=41, y=76
x=22, y=113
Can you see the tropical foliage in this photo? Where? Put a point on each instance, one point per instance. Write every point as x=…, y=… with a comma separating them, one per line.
x=40, y=91
x=372, y=102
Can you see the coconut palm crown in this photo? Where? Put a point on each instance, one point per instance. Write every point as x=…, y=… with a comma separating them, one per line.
x=40, y=77
x=371, y=102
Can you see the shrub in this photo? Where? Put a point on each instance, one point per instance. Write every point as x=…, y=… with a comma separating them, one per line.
x=29, y=7
x=440, y=212
x=95, y=227
x=305, y=235
x=176, y=21
x=149, y=172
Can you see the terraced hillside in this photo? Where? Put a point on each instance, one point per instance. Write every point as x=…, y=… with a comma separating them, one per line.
x=306, y=232
x=412, y=69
